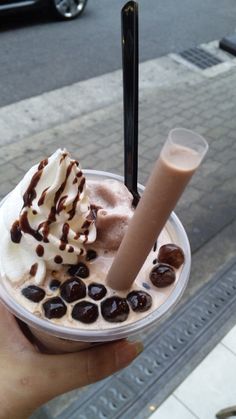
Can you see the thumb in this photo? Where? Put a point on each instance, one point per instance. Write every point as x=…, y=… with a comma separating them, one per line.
x=62, y=373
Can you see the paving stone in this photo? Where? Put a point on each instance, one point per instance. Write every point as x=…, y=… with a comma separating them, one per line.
x=190, y=196
x=5, y=187
x=9, y=172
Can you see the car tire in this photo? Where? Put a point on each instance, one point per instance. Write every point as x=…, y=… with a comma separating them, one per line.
x=68, y=9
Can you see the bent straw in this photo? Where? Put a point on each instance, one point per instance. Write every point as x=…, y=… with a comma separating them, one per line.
x=180, y=157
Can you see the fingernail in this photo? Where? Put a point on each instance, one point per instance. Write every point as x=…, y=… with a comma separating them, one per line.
x=139, y=347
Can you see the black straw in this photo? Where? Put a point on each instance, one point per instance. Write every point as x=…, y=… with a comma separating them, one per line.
x=130, y=57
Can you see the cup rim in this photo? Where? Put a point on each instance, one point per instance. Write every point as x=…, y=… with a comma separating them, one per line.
x=120, y=331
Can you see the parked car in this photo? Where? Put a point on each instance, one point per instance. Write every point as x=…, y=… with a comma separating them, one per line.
x=63, y=9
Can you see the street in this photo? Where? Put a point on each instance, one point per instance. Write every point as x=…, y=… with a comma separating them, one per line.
x=39, y=54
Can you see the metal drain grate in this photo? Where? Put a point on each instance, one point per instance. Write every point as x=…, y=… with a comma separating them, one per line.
x=199, y=57
x=171, y=352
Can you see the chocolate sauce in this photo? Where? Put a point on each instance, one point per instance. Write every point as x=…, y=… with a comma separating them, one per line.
x=42, y=164
x=44, y=226
x=81, y=185
x=72, y=211
x=16, y=232
x=30, y=193
x=40, y=250
x=61, y=203
x=64, y=236
x=86, y=224
x=77, y=236
x=79, y=174
x=52, y=215
x=45, y=232
x=75, y=180
x=58, y=259
x=63, y=157
x=86, y=233
x=33, y=269
x=42, y=197
x=155, y=246
x=71, y=249
x=26, y=228
x=34, y=212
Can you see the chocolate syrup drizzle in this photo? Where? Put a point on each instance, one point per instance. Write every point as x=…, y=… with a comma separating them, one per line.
x=58, y=259
x=155, y=246
x=40, y=250
x=63, y=157
x=80, y=190
x=30, y=192
x=64, y=236
x=26, y=228
x=42, y=164
x=33, y=269
x=43, y=230
x=61, y=202
x=42, y=197
x=16, y=232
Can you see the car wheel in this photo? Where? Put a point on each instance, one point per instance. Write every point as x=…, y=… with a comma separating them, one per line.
x=68, y=9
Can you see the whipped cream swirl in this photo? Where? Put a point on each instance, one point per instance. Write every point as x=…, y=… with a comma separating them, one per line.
x=46, y=220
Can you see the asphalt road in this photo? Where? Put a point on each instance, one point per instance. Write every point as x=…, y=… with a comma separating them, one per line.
x=38, y=54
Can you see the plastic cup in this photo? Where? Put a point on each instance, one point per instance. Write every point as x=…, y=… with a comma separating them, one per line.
x=54, y=338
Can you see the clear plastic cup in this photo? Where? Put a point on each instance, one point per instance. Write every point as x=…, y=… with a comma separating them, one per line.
x=54, y=338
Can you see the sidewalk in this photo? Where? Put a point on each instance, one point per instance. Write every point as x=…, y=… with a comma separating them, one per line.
x=208, y=389
x=87, y=120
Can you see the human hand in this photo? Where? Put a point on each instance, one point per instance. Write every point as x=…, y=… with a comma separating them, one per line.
x=29, y=378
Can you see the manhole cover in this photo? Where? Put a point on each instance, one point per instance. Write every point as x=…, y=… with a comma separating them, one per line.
x=200, y=57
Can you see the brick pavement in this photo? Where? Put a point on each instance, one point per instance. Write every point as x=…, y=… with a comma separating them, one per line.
x=208, y=207
x=96, y=139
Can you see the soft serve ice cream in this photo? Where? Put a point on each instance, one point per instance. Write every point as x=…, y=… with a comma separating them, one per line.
x=45, y=220
x=59, y=235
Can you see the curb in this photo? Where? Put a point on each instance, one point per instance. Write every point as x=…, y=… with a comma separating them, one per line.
x=39, y=113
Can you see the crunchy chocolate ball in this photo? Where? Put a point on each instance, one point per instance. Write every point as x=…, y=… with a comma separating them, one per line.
x=139, y=301
x=54, y=308
x=80, y=270
x=33, y=293
x=73, y=289
x=85, y=312
x=171, y=254
x=162, y=275
x=54, y=284
x=91, y=254
x=96, y=291
x=115, y=309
